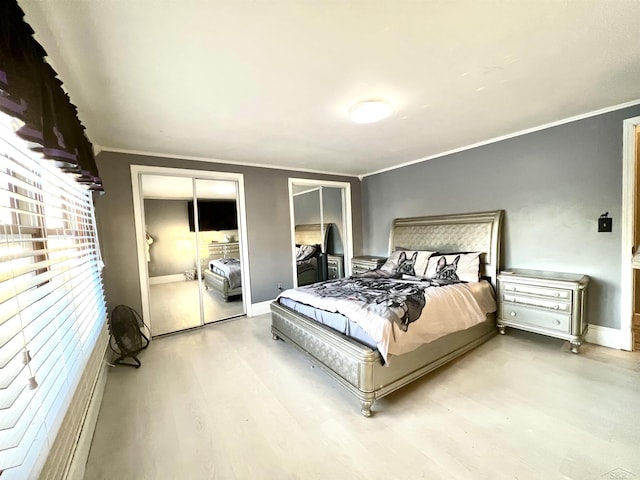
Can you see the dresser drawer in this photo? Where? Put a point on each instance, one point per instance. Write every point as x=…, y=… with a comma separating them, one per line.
x=540, y=302
x=357, y=269
x=548, y=292
x=365, y=263
x=523, y=315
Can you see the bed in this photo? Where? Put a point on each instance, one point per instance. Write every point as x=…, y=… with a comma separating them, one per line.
x=224, y=277
x=360, y=368
x=311, y=243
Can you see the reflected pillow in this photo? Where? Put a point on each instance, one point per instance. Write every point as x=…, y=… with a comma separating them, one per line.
x=407, y=262
x=305, y=252
x=455, y=266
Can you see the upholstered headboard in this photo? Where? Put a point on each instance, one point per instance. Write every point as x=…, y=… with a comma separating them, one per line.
x=467, y=232
x=313, y=234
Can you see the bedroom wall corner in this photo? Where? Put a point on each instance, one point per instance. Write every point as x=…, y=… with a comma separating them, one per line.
x=553, y=185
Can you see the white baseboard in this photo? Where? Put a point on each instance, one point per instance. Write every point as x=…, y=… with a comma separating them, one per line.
x=176, y=277
x=605, y=336
x=260, y=308
x=81, y=454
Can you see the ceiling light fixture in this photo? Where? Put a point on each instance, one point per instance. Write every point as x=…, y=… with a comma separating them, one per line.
x=369, y=111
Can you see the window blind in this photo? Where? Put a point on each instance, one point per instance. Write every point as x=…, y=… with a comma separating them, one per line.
x=52, y=305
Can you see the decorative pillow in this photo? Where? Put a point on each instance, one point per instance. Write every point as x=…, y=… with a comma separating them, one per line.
x=305, y=252
x=407, y=262
x=454, y=266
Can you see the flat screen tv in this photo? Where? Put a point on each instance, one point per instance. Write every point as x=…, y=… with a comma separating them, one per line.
x=214, y=215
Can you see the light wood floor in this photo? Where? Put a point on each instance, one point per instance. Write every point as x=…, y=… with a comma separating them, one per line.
x=228, y=402
x=175, y=306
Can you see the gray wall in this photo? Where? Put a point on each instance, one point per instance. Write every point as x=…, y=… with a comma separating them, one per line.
x=306, y=207
x=268, y=223
x=167, y=222
x=553, y=185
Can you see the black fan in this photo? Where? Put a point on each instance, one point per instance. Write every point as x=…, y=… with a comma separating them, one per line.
x=125, y=325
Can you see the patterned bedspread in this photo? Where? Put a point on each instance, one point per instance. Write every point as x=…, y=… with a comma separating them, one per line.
x=228, y=267
x=401, y=314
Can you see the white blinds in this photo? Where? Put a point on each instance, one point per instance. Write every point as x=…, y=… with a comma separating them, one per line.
x=52, y=304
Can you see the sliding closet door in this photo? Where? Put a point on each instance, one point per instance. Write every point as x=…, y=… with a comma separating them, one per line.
x=329, y=204
x=218, y=249
x=172, y=255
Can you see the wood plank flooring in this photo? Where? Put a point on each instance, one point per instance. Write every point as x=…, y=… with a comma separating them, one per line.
x=228, y=402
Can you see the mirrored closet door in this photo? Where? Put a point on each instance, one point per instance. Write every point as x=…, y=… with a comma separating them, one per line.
x=192, y=251
x=170, y=254
x=321, y=223
x=218, y=250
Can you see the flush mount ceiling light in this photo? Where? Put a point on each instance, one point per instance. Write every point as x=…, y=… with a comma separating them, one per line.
x=370, y=111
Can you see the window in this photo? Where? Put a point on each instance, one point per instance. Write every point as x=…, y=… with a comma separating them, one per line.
x=52, y=306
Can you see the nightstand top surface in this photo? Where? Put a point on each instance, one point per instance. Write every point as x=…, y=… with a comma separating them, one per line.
x=543, y=275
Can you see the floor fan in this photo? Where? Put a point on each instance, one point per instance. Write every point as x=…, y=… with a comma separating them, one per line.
x=126, y=328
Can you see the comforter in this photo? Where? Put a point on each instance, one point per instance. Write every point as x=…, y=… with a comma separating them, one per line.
x=400, y=314
x=228, y=267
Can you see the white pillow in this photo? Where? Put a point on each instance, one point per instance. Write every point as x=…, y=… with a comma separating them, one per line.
x=454, y=266
x=304, y=252
x=407, y=262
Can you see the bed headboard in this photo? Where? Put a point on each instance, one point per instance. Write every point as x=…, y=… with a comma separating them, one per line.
x=466, y=232
x=313, y=234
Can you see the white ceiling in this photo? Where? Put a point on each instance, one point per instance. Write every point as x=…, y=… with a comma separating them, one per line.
x=270, y=82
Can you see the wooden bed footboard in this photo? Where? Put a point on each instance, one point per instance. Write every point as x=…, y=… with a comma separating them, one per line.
x=359, y=368
x=220, y=284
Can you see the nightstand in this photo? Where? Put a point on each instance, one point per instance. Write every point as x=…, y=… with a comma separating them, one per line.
x=549, y=303
x=365, y=263
x=335, y=266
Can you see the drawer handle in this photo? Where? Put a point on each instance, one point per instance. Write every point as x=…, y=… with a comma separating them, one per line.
x=557, y=294
x=557, y=307
x=513, y=314
x=556, y=322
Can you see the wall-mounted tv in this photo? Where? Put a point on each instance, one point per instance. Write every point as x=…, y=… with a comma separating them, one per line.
x=214, y=215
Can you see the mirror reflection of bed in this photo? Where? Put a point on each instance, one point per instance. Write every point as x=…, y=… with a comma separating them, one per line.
x=311, y=260
x=181, y=296
x=319, y=230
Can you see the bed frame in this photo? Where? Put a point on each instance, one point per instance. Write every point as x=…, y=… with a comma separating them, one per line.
x=313, y=234
x=220, y=284
x=359, y=368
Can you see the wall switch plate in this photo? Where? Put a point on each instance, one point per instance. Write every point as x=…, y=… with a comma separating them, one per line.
x=605, y=224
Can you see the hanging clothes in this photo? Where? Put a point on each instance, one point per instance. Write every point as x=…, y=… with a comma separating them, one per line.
x=149, y=241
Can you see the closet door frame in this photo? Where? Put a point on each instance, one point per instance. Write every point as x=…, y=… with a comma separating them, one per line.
x=347, y=241
x=137, y=171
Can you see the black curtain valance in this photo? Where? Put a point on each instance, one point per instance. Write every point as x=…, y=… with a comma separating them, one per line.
x=31, y=92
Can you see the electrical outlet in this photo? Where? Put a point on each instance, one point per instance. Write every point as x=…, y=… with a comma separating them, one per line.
x=279, y=286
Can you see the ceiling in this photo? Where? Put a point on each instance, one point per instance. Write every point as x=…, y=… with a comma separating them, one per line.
x=270, y=82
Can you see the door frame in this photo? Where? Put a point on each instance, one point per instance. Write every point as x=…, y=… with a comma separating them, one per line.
x=346, y=220
x=138, y=212
x=629, y=205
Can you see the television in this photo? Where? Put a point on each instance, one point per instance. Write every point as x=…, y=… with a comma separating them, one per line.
x=214, y=215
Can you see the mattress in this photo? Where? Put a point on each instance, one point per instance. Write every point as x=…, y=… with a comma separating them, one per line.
x=228, y=268
x=334, y=320
x=447, y=309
